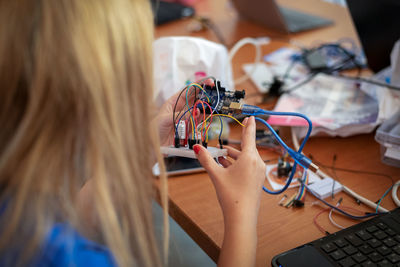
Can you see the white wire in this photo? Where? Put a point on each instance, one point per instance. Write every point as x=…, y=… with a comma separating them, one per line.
x=394, y=193
x=240, y=44
x=332, y=221
x=347, y=190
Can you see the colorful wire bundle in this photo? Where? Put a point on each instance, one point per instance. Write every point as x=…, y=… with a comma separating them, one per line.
x=301, y=195
x=199, y=130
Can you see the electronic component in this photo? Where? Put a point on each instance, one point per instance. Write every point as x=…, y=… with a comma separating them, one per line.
x=221, y=100
x=189, y=153
x=216, y=101
x=211, y=101
x=325, y=187
x=275, y=89
x=182, y=133
x=284, y=168
x=314, y=60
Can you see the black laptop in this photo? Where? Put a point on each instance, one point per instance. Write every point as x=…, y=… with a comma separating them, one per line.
x=375, y=242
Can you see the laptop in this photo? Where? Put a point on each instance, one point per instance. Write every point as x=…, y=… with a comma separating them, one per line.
x=375, y=242
x=271, y=15
x=377, y=23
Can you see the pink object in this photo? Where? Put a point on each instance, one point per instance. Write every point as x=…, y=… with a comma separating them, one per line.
x=199, y=75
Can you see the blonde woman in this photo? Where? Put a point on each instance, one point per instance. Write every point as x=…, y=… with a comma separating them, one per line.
x=77, y=143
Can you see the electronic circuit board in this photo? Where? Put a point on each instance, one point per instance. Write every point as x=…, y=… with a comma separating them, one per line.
x=222, y=100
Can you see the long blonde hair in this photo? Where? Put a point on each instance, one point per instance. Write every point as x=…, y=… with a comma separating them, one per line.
x=76, y=106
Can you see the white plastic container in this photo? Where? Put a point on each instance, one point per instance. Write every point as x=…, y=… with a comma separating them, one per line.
x=388, y=136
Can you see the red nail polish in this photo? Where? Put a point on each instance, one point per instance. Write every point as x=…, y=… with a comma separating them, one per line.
x=196, y=149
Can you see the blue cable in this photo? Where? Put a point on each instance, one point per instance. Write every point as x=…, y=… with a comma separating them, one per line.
x=342, y=211
x=292, y=173
x=296, y=155
x=254, y=111
x=383, y=196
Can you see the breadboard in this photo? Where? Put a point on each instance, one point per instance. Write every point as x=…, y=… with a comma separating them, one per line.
x=323, y=188
x=189, y=153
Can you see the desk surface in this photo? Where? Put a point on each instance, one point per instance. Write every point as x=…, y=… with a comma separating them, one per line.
x=193, y=203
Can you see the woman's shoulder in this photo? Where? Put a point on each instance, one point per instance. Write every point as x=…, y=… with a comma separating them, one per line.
x=64, y=246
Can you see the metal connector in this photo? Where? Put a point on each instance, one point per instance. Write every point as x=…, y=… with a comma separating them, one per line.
x=312, y=167
x=236, y=106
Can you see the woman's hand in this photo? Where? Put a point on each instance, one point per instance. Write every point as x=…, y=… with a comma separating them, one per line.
x=238, y=185
x=165, y=115
x=165, y=118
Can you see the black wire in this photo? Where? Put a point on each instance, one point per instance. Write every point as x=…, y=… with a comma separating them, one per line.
x=176, y=103
x=179, y=96
x=361, y=79
x=289, y=68
x=351, y=57
x=298, y=85
x=353, y=170
x=330, y=70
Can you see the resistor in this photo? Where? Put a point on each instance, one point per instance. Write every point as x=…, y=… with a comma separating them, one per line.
x=182, y=133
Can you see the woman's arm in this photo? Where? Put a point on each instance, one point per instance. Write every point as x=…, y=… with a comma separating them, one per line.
x=238, y=185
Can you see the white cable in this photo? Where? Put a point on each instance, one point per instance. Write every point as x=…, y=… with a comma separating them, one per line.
x=240, y=44
x=332, y=221
x=394, y=193
x=347, y=190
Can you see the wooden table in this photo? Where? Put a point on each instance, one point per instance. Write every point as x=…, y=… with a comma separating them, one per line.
x=193, y=203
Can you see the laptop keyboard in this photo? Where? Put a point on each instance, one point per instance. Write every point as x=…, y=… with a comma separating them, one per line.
x=375, y=244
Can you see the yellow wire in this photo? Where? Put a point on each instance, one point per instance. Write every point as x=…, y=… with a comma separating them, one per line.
x=224, y=115
x=221, y=115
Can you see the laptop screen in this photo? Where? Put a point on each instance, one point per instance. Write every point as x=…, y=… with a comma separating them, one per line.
x=378, y=26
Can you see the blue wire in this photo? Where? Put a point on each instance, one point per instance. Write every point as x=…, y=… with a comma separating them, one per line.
x=342, y=211
x=297, y=156
x=384, y=195
x=254, y=111
x=292, y=173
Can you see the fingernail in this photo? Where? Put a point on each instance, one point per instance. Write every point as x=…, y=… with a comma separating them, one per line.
x=245, y=120
x=196, y=149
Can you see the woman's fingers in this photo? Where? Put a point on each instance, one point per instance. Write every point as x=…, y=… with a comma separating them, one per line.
x=208, y=81
x=224, y=162
x=232, y=152
x=206, y=160
x=249, y=134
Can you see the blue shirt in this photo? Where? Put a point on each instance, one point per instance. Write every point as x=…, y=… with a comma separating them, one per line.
x=64, y=247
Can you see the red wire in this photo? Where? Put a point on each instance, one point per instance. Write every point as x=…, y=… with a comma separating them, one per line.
x=317, y=224
x=205, y=116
